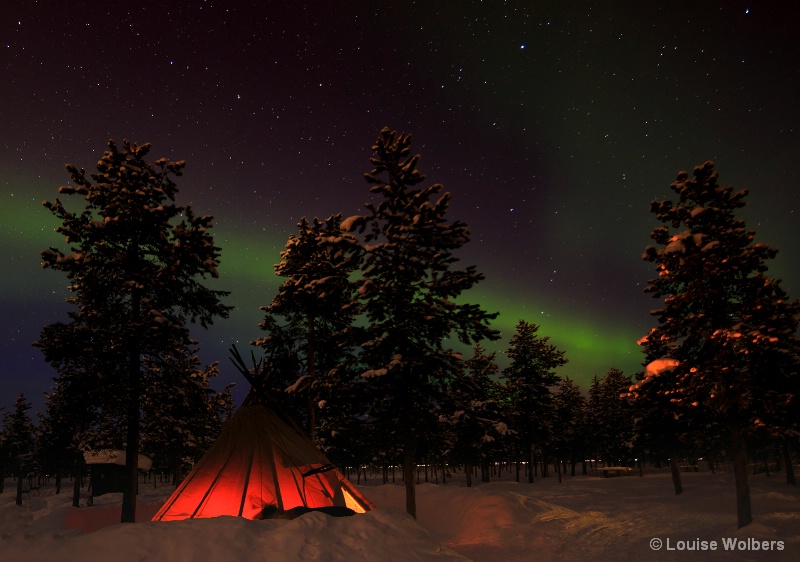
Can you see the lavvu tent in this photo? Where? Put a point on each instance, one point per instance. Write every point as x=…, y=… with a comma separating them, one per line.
x=260, y=458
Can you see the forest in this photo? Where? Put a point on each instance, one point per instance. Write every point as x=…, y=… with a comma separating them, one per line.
x=372, y=345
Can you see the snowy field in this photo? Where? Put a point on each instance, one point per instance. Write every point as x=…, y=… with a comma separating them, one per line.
x=584, y=518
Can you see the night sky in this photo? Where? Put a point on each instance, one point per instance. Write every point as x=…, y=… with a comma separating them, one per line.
x=554, y=125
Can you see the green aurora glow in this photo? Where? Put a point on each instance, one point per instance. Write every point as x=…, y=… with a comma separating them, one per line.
x=246, y=269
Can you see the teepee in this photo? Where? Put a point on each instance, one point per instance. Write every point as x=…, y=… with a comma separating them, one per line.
x=261, y=458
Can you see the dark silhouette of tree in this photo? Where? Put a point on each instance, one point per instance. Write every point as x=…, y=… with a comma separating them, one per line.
x=181, y=413
x=135, y=266
x=529, y=379
x=315, y=303
x=728, y=327
x=19, y=442
x=569, y=440
x=660, y=426
x=471, y=414
x=60, y=448
x=612, y=417
x=409, y=294
x=74, y=420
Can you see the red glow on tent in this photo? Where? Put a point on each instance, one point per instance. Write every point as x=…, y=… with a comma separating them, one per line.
x=259, y=460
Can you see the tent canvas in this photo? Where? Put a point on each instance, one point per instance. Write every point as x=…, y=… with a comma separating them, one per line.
x=260, y=458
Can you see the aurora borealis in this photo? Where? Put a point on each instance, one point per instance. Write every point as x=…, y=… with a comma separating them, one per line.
x=553, y=125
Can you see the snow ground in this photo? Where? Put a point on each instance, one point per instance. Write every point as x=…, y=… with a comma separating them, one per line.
x=584, y=518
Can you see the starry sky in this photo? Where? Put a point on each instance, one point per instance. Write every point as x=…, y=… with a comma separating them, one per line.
x=553, y=124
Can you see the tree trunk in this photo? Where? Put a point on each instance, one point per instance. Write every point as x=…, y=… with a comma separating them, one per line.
x=409, y=472
x=312, y=375
x=676, y=474
x=178, y=472
x=76, y=491
x=132, y=445
x=312, y=417
x=132, y=433
x=18, y=499
x=531, y=460
x=787, y=460
x=468, y=472
x=744, y=514
x=76, y=484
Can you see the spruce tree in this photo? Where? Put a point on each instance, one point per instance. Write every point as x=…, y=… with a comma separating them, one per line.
x=568, y=428
x=309, y=316
x=471, y=414
x=135, y=265
x=19, y=442
x=529, y=379
x=58, y=447
x=180, y=413
x=614, y=419
x=728, y=328
x=660, y=425
x=409, y=294
x=80, y=393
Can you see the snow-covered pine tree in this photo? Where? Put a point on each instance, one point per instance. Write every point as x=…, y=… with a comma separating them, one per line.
x=316, y=305
x=728, y=328
x=409, y=291
x=135, y=265
x=766, y=346
x=528, y=382
x=483, y=370
x=180, y=415
x=470, y=413
x=660, y=426
x=80, y=394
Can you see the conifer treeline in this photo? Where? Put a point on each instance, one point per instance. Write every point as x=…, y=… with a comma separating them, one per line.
x=361, y=340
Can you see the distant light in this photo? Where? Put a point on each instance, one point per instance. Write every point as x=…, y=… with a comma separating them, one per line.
x=747, y=10
x=522, y=46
